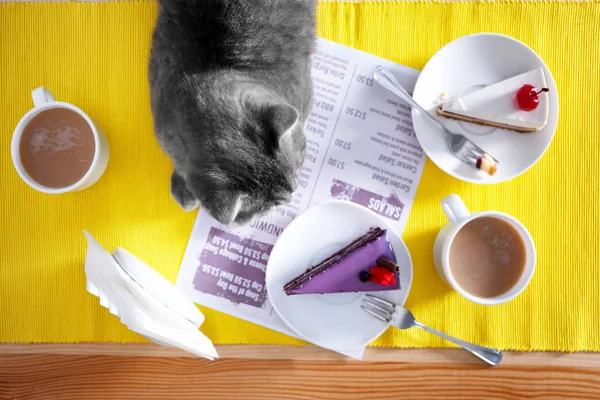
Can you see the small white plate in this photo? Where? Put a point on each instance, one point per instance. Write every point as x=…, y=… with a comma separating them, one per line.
x=332, y=321
x=464, y=65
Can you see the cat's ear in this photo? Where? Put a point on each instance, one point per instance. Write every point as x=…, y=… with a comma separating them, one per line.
x=227, y=207
x=280, y=120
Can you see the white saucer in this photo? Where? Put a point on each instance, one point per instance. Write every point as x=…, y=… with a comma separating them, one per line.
x=469, y=63
x=333, y=321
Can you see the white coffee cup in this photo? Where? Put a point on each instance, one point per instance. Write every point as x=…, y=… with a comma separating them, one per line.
x=44, y=100
x=459, y=216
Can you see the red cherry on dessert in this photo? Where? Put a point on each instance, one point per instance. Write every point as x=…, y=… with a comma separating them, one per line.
x=528, y=97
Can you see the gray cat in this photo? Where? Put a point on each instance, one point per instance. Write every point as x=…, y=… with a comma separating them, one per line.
x=230, y=90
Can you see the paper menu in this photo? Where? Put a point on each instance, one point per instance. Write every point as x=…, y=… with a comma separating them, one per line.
x=361, y=147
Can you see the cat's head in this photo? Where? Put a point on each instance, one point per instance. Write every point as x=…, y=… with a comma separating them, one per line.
x=247, y=145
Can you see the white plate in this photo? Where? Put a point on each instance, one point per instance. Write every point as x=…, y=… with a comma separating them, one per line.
x=333, y=321
x=469, y=63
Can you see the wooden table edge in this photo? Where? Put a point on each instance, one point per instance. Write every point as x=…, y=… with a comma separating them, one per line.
x=313, y=353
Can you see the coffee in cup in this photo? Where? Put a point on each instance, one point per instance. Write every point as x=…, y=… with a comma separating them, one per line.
x=57, y=148
x=487, y=257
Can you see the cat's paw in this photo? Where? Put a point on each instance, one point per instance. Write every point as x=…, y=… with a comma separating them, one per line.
x=181, y=193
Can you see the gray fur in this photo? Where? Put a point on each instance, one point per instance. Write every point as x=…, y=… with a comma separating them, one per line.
x=230, y=90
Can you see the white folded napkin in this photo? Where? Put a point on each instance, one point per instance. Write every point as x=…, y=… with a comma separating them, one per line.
x=144, y=300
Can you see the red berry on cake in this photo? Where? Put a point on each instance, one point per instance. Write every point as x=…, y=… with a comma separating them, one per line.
x=528, y=97
x=382, y=275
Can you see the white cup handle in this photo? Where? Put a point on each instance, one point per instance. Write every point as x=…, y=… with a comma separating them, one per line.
x=455, y=209
x=41, y=96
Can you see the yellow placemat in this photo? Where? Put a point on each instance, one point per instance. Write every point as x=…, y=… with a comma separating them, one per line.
x=95, y=55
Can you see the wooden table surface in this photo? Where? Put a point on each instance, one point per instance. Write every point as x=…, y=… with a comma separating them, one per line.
x=112, y=371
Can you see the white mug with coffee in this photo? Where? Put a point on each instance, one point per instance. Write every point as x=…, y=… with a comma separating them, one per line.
x=488, y=257
x=57, y=148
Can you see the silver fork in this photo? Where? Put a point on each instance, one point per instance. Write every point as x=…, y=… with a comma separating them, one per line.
x=402, y=318
x=464, y=149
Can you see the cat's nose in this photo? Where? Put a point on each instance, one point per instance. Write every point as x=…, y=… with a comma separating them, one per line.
x=284, y=199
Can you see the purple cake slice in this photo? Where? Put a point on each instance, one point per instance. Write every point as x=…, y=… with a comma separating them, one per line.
x=347, y=270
